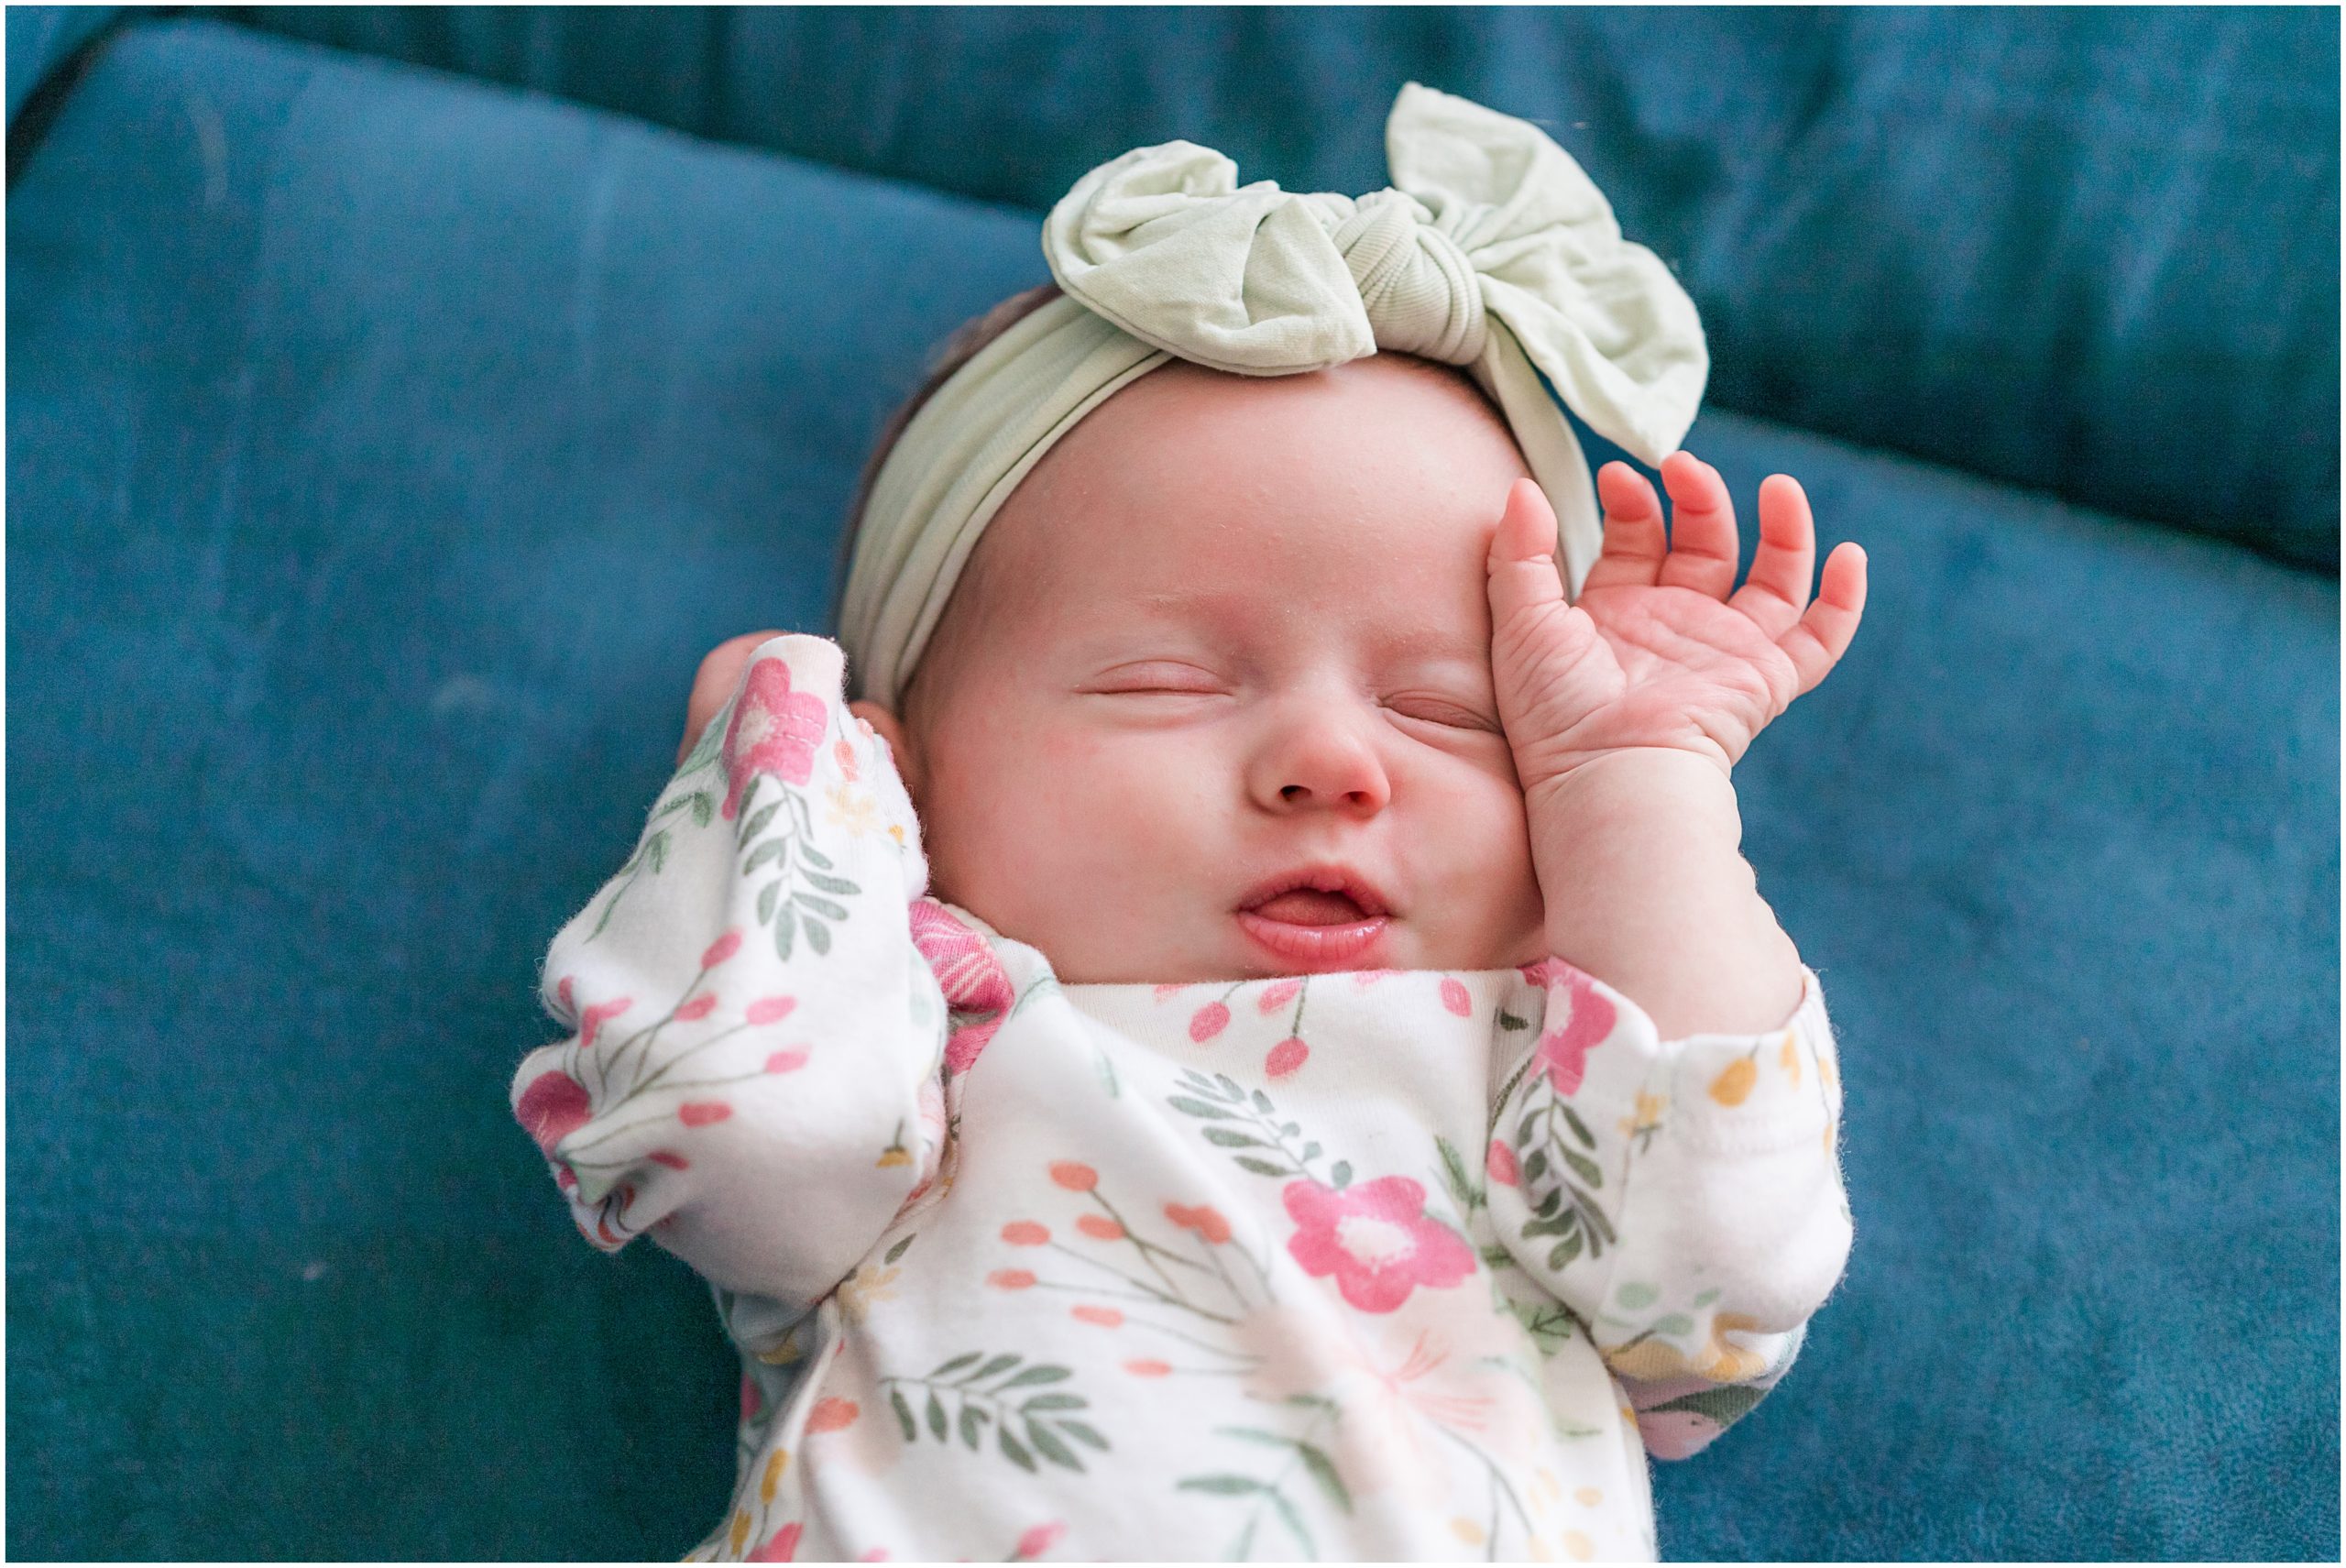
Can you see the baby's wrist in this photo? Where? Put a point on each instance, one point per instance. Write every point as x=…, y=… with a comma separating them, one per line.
x=1670, y=780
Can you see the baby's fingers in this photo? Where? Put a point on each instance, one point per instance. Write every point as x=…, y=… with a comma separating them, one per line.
x=713, y=683
x=1822, y=634
x=1777, y=591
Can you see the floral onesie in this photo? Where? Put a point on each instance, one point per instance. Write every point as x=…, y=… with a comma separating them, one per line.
x=1382, y=1265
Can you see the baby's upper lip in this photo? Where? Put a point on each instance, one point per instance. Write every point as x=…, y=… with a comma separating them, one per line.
x=1320, y=876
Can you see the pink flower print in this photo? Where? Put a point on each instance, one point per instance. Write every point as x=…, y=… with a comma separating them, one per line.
x=770, y=1009
x=787, y=1061
x=597, y=1016
x=551, y=1108
x=1454, y=997
x=1376, y=1238
x=1209, y=1021
x=1275, y=997
x=1039, y=1540
x=565, y=1006
x=703, y=1113
x=970, y=977
x=782, y=1547
x=699, y=1007
x=750, y=1402
x=1285, y=1056
x=1499, y=1164
x=774, y=730
x=1588, y=1019
x=844, y=755
x=722, y=948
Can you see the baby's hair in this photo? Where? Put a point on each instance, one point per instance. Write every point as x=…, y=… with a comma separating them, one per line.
x=947, y=357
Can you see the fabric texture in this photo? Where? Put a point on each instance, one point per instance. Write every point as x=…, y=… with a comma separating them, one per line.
x=1491, y=250
x=2089, y=250
x=384, y=449
x=1227, y=1270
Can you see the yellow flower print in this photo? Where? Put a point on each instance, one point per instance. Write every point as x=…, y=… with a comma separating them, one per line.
x=740, y=1532
x=1733, y=1085
x=859, y=1291
x=775, y=1467
x=1645, y=1121
x=852, y=809
x=1578, y=1546
x=784, y=1353
x=1790, y=1059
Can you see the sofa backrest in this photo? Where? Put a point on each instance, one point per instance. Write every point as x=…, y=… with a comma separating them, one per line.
x=2091, y=251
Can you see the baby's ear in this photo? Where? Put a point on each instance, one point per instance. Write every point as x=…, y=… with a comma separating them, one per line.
x=890, y=728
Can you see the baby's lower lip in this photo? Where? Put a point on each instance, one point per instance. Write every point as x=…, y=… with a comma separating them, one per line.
x=1320, y=948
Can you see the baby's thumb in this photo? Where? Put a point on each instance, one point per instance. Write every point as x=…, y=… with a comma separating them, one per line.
x=1526, y=588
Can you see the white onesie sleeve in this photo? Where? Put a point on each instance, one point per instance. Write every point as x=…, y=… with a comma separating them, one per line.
x=755, y=1037
x=1682, y=1199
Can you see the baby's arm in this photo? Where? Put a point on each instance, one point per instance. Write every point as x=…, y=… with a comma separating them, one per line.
x=1682, y=1199
x=754, y=1036
x=1672, y=1130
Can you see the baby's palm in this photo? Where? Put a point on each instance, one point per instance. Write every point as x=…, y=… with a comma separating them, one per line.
x=1657, y=651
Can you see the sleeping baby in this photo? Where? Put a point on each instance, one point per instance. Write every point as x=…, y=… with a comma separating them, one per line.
x=1224, y=1016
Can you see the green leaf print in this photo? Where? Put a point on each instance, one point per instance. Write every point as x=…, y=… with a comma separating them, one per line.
x=937, y=1427
x=1197, y=1107
x=818, y=936
x=1047, y=1444
x=704, y=810
x=772, y=850
x=815, y=857
x=786, y=930
x=1229, y=1485
x=958, y=1362
x=828, y=884
x=903, y=1414
x=1084, y=1433
x=972, y=1421
x=822, y=907
x=1036, y=1375
x=766, y=897
x=1232, y=1138
x=1015, y=1452
x=757, y=824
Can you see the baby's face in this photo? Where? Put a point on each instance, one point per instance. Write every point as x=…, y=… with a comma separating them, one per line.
x=1230, y=636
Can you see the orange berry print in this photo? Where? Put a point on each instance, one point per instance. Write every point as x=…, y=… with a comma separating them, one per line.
x=1106, y=1317
x=1074, y=1175
x=1100, y=1228
x=1205, y=1219
x=1011, y=1279
x=830, y=1415
x=1025, y=1233
x=1147, y=1368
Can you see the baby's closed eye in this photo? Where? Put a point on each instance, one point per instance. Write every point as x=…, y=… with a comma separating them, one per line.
x=1451, y=713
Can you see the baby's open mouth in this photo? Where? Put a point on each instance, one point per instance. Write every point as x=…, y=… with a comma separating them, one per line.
x=1309, y=906
x=1319, y=918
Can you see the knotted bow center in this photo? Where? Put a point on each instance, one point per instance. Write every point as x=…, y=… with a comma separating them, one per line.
x=1420, y=292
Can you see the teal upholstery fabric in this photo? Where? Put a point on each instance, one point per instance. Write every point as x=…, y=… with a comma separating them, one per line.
x=383, y=450
x=41, y=37
x=2090, y=251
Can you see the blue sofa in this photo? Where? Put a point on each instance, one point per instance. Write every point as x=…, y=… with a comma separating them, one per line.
x=401, y=402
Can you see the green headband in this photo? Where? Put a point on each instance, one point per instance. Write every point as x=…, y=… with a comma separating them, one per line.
x=1492, y=250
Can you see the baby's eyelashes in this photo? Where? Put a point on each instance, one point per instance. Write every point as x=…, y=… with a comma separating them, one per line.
x=1158, y=677
x=1448, y=714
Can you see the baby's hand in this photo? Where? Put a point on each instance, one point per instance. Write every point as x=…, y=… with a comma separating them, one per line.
x=1656, y=652
x=720, y=673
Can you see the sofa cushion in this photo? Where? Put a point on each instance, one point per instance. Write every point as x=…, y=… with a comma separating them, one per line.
x=383, y=451
x=2092, y=250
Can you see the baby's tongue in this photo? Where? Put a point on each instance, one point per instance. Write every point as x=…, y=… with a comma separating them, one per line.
x=1307, y=906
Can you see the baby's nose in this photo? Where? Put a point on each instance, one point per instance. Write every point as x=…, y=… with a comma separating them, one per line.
x=1321, y=766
